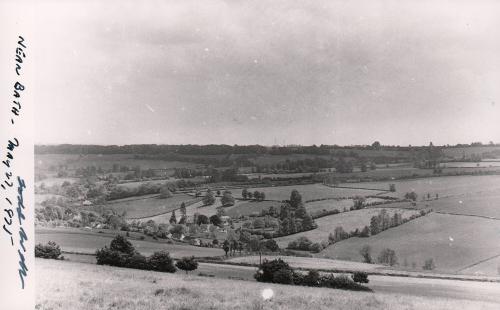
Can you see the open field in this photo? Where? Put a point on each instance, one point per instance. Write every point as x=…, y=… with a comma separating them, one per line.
x=67, y=285
x=80, y=241
x=244, y=208
x=308, y=192
x=489, y=266
x=481, y=204
x=316, y=207
x=347, y=220
x=149, y=205
x=443, y=186
x=452, y=241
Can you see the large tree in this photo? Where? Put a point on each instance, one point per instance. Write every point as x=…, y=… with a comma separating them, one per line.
x=209, y=198
x=295, y=199
x=173, y=218
x=215, y=219
x=227, y=199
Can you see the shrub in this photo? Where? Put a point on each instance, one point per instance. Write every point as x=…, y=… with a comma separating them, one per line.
x=161, y=261
x=341, y=282
x=136, y=261
x=311, y=279
x=360, y=277
x=106, y=256
x=283, y=276
x=187, y=264
x=268, y=268
x=316, y=247
x=121, y=244
x=271, y=245
x=302, y=243
x=50, y=250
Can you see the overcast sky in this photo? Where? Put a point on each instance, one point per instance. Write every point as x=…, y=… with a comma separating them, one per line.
x=266, y=72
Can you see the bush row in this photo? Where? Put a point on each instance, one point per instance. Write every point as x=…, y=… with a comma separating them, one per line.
x=278, y=271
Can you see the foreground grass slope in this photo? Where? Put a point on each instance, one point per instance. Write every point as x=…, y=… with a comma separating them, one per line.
x=65, y=285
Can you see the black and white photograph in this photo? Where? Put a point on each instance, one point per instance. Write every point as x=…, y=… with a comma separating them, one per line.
x=267, y=154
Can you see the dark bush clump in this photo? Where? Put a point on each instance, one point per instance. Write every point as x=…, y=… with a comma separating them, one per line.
x=341, y=282
x=360, y=277
x=278, y=271
x=161, y=261
x=122, y=253
x=283, y=276
x=269, y=268
x=50, y=250
x=187, y=264
x=121, y=244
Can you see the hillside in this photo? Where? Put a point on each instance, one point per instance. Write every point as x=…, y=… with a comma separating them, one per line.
x=66, y=285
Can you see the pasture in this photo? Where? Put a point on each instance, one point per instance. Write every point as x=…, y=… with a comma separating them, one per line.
x=148, y=205
x=347, y=220
x=308, y=192
x=443, y=186
x=82, y=241
x=67, y=285
x=452, y=241
x=316, y=207
x=490, y=266
x=246, y=208
x=485, y=203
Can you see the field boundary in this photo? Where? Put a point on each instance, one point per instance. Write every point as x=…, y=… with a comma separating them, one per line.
x=363, y=188
x=471, y=215
x=477, y=263
x=188, y=203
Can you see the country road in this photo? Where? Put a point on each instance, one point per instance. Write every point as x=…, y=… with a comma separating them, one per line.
x=443, y=288
x=455, y=289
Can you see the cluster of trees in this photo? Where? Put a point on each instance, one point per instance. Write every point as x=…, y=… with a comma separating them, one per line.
x=74, y=217
x=411, y=196
x=256, y=195
x=304, y=244
x=121, y=253
x=293, y=216
x=340, y=234
x=237, y=240
x=386, y=256
x=226, y=200
x=383, y=221
x=278, y=271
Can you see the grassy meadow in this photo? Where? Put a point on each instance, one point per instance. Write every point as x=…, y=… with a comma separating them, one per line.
x=148, y=205
x=452, y=241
